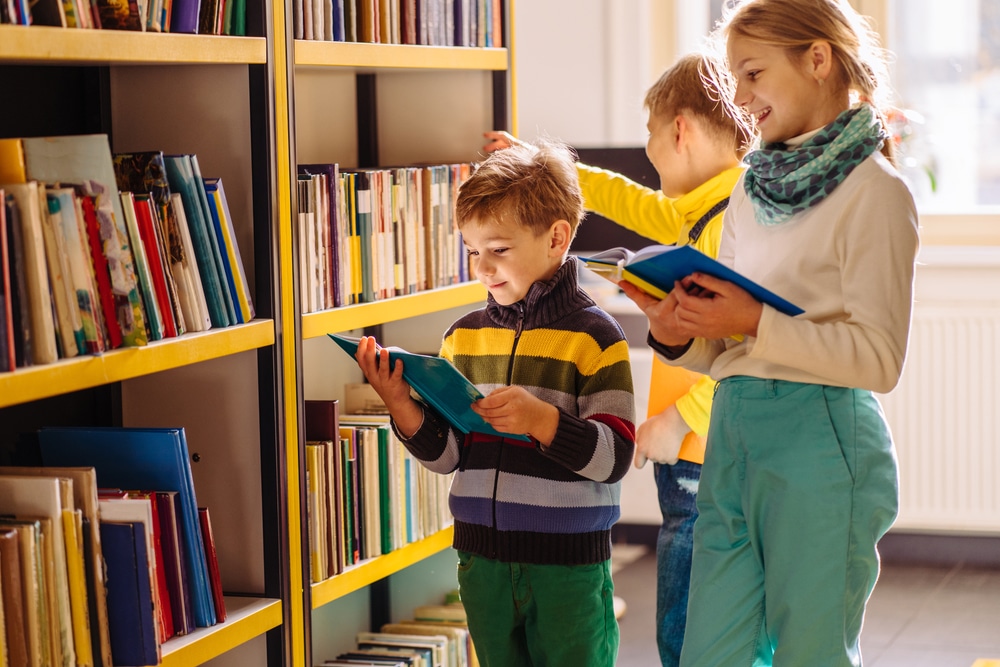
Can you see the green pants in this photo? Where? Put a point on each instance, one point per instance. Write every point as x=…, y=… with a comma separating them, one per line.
x=524, y=615
x=799, y=484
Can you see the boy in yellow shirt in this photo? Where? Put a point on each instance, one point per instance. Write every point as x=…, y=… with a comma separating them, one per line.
x=696, y=147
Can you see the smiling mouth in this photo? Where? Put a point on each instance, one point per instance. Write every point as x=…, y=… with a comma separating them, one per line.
x=762, y=114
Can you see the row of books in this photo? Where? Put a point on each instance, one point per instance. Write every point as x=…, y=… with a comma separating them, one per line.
x=370, y=234
x=205, y=17
x=99, y=252
x=367, y=496
x=436, y=636
x=95, y=574
x=474, y=23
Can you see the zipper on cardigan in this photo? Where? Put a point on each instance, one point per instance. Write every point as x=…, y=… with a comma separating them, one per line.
x=495, y=532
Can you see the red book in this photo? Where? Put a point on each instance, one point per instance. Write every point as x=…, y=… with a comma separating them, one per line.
x=101, y=273
x=164, y=609
x=212, y=559
x=144, y=217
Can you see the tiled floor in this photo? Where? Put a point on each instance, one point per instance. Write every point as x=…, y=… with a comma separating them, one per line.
x=919, y=615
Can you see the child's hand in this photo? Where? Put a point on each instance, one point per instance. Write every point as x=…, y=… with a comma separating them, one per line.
x=514, y=410
x=708, y=307
x=389, y=384
x=663, y=324
x=500, y=139
x=659, y=438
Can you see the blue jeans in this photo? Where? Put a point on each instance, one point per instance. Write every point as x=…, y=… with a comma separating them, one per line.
x=677, y=488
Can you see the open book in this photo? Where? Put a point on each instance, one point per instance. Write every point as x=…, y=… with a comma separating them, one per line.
x=439, y=384
x=655, y=268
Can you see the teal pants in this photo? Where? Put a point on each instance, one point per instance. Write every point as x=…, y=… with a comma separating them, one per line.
x=524, y=615
x=799, y=483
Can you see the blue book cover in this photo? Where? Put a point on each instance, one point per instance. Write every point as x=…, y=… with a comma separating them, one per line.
x=440, y=384
x=218, y=243
x=654, y=269
x=180, y=175
x=130, y=598
x=148, y=458
x=211, y=186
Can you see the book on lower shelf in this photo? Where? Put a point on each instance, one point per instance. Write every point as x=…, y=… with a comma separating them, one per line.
x=130, y=596
x=654, y=269
x=146, y=458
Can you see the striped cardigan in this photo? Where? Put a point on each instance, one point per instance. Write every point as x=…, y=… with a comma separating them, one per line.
x=521, y=502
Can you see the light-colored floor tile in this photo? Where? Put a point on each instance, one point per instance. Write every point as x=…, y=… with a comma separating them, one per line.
x=918, y=616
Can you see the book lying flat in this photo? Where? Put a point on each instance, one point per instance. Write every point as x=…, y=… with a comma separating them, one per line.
x=440, y=384
x=655, y=268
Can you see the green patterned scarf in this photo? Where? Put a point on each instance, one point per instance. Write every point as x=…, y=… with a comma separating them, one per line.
x=785, y=180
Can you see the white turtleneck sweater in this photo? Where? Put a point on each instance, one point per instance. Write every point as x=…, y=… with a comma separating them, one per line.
x=848, y=262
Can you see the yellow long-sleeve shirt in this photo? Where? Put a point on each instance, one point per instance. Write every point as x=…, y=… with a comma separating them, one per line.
x=666, y=220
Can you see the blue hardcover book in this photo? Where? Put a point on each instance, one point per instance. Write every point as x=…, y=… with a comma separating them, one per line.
x=440, y=384
x=184, y=16
x=218, y=243
x=129, y=595
x=211, y=186
x=147, y=458
x=654, y=269
x=338, y=21
x=180, y=175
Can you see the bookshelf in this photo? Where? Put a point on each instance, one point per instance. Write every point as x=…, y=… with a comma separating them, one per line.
x=251, y=108
x=220, y=98
x=376, y=105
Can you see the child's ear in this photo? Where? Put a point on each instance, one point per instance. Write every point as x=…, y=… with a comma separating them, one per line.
x=561, y=234
x=820, y=60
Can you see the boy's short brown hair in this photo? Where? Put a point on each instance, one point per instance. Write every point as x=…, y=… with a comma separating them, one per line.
x=688, y=85
x=532, y=185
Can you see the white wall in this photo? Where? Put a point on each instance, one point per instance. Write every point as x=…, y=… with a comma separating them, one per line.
x=581, y=68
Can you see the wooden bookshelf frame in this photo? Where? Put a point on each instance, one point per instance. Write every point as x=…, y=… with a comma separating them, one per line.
x=24, y=385
x=363, y=315
x=368, y=572
x=246, y=618
x=370, y=57
x=68, y=46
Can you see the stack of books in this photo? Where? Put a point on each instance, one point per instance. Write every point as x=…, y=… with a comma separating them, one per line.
x=367, y=496
x=205, y=17
x=371, y=234
x=104, y=552
x=99, y=252
x=475, y=23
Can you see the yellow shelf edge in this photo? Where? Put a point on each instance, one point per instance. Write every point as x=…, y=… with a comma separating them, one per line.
x=84, y=372
x=246, y=619
x=45, y=44
x=363, y=315
x=311, y=53
x=368, y=572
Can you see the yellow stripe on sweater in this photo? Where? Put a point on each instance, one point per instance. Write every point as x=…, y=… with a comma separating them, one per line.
x=569, y=346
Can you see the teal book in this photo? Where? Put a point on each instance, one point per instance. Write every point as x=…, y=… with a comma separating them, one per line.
x=218, y=245
x=440, y=385
x=180, y=175
x=655, y=268
x=149, y=458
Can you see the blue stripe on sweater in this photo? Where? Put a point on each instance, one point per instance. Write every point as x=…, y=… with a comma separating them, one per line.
x=532, y=518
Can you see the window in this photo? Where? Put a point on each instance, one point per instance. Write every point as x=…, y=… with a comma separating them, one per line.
x=946, y=73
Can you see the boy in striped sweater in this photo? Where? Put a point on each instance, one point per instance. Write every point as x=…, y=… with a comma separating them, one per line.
x=532, y=519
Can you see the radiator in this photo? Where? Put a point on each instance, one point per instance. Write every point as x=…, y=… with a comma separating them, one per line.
x=943, y=416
